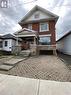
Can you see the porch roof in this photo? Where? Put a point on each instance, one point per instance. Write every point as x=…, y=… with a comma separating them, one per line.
x=26, y=33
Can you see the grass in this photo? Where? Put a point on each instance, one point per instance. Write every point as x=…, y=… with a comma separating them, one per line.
x=4, y=54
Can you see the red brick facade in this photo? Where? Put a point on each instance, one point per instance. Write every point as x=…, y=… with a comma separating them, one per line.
x=36, y=27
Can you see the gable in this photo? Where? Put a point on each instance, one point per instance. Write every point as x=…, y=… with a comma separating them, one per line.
x=38, y=15
x=24, y=31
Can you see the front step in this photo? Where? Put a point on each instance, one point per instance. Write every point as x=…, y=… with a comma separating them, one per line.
x=25, y=53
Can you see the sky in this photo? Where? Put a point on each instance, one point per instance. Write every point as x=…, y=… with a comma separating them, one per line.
x=10, y=16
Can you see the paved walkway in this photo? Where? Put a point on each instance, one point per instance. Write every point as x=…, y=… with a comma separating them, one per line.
x=12, y=85
x=42, y=67
x=10, y=63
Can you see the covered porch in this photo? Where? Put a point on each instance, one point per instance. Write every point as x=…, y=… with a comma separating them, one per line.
x=29, y=40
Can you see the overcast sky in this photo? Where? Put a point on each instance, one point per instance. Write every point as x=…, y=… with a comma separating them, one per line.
x=10, y=16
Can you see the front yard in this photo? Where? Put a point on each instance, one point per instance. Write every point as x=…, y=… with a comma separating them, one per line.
x=41, y=67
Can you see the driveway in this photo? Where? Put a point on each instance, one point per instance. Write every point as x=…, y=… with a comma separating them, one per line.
x=42, y=67
x=66, y=59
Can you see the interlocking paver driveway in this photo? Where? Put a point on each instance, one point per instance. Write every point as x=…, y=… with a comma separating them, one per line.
x=42, y=67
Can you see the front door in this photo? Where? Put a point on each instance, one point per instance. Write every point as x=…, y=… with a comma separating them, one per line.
x=25, y=45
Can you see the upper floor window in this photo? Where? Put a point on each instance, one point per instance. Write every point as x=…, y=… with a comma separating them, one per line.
x=30, y=26
x=44, y=27
x=36, y=16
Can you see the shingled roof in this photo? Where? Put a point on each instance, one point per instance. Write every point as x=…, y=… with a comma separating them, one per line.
x=10, y=36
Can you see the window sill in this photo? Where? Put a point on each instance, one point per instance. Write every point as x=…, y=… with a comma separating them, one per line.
x=44, y=31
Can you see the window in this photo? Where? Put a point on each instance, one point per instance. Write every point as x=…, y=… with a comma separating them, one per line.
x=44, y=27
x=45, y=40
x=6, y=43
x=0, y=44
x=36, y=15
x=30, y=26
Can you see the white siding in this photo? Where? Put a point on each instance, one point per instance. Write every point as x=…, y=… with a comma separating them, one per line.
x=41, y=16
x=64, y=45
x=1, y=47
x=8, y=47
x=10, y=44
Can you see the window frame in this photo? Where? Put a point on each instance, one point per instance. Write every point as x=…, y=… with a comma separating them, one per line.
x=36, y=15
x=45, y=42
x=45, y=29
x=6, y=43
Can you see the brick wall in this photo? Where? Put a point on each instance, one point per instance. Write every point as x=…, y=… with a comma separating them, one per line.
x=36, y=27
x=52, y=31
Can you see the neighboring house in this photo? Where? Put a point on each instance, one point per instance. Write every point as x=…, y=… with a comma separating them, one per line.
x=64, y=44
x=7, y=42
x=43, y=23
x=1, y=45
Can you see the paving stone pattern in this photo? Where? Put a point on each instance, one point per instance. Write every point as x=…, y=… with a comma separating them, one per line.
x=42, y=67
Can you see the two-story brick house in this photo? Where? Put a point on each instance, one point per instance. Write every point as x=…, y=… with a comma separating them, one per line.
x=41, y=23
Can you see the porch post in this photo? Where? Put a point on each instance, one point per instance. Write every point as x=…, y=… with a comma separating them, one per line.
x=34, y=40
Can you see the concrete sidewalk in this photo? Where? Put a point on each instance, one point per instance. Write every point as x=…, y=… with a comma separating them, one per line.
x=13, y=85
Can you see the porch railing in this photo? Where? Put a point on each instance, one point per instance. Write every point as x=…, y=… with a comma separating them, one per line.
x=16, y=49
x=46, y=47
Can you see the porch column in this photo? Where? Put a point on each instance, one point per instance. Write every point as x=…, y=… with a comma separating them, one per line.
x=33, y=47
x=34, y=40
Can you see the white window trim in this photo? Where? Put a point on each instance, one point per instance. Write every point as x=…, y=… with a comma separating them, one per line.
x=6, y=44
x=46, y=29
x=45, y=35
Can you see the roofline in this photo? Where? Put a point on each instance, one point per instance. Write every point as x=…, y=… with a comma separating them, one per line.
x=13, y=36
x=37, y=7
x=9, y=38
x=24, y=29
x=41, y=20
x=64, y=36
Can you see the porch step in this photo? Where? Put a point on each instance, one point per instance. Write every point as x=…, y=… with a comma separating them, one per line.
x=25, y=53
